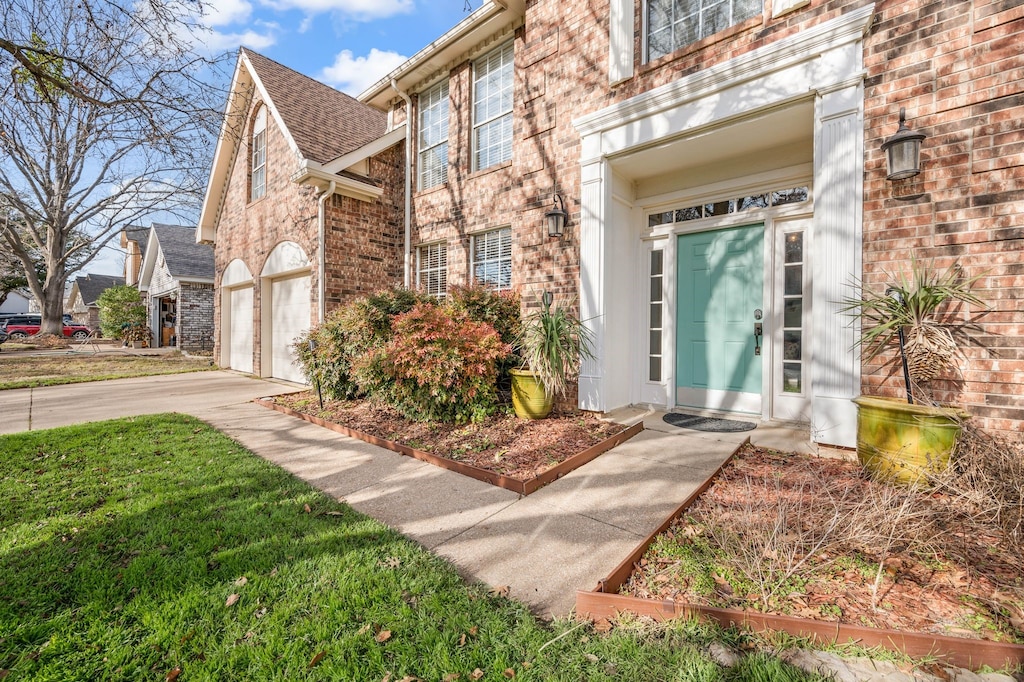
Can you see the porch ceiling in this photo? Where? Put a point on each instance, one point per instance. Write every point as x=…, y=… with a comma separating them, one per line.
x=775, y=139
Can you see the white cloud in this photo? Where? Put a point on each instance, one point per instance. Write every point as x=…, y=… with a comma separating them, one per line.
x=354, y=74
x=217, y=41
x=226, y=12
x=362, y=10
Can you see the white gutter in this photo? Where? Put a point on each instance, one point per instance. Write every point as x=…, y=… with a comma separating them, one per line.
x=321, y=215
x=408, y=181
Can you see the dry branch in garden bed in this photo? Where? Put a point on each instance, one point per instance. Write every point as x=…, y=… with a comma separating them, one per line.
x=779, y=540
x=517, y=454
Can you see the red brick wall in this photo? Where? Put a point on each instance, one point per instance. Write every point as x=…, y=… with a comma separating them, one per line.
x=958, y=68
x=363, y=238
x=955, y=65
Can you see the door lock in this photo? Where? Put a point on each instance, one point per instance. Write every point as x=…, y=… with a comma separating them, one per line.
x=758, y=332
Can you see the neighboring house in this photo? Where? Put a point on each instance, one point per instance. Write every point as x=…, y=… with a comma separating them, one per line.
x=175, y=275
x=85, y=291
x=16, y=301
x=133, y=241
x=721, y=170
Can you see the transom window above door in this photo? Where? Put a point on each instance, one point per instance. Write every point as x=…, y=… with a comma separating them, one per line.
x=674, y=24
x=778, y=197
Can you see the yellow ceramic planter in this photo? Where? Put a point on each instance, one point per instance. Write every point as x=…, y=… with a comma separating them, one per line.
x=529, y=399
x=903, y=442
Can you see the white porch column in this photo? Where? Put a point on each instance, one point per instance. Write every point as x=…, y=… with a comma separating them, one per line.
x=838, y=205
x=592, y=279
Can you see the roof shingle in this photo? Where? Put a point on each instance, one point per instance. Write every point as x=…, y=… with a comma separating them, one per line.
x=325, y=123
x=185, y=258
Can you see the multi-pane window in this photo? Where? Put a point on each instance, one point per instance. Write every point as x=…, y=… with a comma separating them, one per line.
x=258, y=146
x=433, y=143
x=432, y=269
x=655, y=318
x=778, y=197
x=673, y=24
x=492, y=258
x=492, y=108
x=793, y=313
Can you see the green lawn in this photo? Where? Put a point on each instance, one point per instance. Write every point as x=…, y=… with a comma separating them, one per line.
x=30, y=371
x=157, y=549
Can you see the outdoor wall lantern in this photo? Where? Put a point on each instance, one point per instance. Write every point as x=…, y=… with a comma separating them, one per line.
x=556, y=217
x=903, y=151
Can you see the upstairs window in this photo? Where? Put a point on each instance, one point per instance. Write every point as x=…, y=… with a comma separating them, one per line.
x=492, y=258
x=258, y=146
x=492, y=108
x=674, y=24
x=433, y=143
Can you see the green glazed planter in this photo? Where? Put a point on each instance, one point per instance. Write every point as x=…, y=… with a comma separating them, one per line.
x=902, y=442
x=529, y=399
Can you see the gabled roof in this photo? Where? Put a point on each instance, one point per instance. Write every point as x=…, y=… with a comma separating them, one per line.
x=324, y=123
x=318, y=122
x=185, y=259
x=91, y=286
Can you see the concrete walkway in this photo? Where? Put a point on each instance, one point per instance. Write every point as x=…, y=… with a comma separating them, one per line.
x=543, y=547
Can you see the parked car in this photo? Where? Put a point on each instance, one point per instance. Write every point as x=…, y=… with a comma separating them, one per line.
x=3, y=336
x=22, y=326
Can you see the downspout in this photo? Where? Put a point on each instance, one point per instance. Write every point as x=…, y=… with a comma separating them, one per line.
x=408, y=180
x=321, y=219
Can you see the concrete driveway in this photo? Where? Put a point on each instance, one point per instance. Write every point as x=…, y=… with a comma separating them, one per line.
x=194, y=393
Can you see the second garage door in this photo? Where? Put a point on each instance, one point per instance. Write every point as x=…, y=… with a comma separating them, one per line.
x=289, y=319
x=239, y=346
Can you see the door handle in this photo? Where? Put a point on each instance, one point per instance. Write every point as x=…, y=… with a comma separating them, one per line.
x=758, y=332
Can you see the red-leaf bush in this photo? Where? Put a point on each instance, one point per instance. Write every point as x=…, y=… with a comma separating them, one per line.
x=439, y=365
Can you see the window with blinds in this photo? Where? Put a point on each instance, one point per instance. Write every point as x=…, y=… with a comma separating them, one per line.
x=433, y=136
x=492, y=258
x=432, y=269
x=492, y=108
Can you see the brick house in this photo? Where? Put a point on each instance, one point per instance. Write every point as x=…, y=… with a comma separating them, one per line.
x=721, y=170
x=175, y=276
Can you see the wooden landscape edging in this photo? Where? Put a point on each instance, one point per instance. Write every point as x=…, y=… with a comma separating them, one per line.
x=506, y=482
x=603, y=602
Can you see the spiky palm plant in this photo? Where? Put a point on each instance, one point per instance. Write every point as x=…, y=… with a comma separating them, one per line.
x=919, y=305
x=552, y=343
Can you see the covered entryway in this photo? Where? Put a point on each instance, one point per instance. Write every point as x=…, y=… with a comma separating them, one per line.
x=236, y=318
x=719, y=319
x=286, y=310
x=730, y=194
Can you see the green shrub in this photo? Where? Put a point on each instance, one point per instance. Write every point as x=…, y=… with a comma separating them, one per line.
x=438, y=366
x=348, y=333
x=121, y=308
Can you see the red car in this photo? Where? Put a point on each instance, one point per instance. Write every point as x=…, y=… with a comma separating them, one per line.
x=21, y=326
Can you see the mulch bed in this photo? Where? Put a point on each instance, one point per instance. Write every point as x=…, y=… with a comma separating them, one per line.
x=521, y=449
x=972, y=588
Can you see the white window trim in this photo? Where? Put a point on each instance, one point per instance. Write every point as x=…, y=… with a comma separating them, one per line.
x=420, y=271
x=476, y=125
x=498, y=260
x=258, y=135
x=443, y=85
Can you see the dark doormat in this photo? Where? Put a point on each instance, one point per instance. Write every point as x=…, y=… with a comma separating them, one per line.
x=712, y=424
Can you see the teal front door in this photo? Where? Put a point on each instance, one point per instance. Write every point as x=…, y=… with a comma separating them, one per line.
x=719, y=290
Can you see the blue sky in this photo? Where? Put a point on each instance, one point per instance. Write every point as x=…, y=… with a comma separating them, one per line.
x=348, y=44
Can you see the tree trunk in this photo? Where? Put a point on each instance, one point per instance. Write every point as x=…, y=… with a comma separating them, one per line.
x=52, y=304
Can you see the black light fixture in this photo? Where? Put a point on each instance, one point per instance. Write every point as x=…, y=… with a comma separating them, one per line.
x=556, y=217
x=903, y=151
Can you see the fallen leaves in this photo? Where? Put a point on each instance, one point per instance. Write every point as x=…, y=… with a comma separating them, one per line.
x=502, y=591
x=476, y=674
x=241, y=581
x=383, y=636
x=171, y=676
x=316, y=659
x=232, y=600
x=306, y=509
x=509, y=673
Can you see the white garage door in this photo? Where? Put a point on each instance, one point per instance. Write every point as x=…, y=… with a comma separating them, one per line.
x=239, y=355
x=289, y=318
